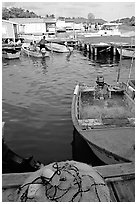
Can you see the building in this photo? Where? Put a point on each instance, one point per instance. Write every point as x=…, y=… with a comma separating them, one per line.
x=36, y=26
x=10, y=30
x=60, y=24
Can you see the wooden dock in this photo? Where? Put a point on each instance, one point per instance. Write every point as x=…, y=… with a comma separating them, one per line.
x=98, y=48
x=120, y=179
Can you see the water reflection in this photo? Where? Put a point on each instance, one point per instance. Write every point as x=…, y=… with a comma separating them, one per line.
x=44, y=65
x=68, y=56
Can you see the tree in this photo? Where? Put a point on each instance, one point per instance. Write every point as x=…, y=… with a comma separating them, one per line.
x=17, y=13
x=91, y=17
x=5, y=13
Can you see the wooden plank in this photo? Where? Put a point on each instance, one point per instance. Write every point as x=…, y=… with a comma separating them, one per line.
x=124, y=191
x=112, y=195
x=13, y=179
x=8, y=195
x=107, y=171
x=116, y=170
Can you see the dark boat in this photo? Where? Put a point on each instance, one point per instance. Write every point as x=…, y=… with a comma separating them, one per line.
x=13, y=163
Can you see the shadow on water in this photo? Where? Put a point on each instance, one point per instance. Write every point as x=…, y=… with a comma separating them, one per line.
x=81, y=151
x=44, y=65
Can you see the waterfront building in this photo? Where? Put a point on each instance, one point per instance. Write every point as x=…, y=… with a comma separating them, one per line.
x=9, y=30
x=36, y=26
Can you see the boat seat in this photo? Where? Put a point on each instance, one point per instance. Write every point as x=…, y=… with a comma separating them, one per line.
x=106, y=121
x=114, y=89
x=90, y=122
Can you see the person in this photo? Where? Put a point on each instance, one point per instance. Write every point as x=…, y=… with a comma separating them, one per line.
x=35, y=46
x=31, y=46
x=42, y=43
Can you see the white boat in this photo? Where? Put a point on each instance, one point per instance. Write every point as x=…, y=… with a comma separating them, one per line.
x=11, y=54
x=55, y=47
x=107, y=29
x=104, y=115
x=37, y=54
x=127, y=52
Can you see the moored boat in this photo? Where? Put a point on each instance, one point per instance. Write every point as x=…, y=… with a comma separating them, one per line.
x=13, y=163
x=55, y=47
x=107, y=29
x=127, y=52
x=104, y=115
x=37, y=54
x=10, y=54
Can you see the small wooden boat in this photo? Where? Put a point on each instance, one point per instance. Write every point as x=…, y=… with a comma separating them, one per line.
x=104, y=115
x=37, y=54
x=128, y=52
x=55, y=47
x=10, y=53
x=14, y=163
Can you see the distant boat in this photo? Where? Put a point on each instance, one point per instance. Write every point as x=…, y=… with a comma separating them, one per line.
x=128, y=52
x=10, y=54
x=55, y=47
x=37, y=54
x=107, y=29
x=104, y=115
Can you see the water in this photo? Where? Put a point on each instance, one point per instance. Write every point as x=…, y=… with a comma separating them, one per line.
x=36, y=101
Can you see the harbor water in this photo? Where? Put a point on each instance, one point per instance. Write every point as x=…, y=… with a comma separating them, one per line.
x=37, y=96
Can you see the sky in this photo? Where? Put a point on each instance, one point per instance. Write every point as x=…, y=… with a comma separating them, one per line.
x=106, y=10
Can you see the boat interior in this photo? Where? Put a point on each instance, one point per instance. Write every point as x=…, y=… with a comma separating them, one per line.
x=105, y=107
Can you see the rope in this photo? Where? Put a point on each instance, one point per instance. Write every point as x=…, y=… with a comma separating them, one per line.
x=59, y=191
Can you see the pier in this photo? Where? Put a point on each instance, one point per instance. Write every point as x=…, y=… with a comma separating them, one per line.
x=107, y=44
x=120, y=179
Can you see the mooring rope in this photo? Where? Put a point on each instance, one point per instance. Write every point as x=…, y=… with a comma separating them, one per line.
x=57, y=192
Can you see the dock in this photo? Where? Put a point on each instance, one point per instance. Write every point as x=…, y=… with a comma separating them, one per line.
x=105, y=44
x=120, y=179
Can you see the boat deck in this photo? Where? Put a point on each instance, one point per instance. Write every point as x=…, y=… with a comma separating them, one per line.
x=108, y=111
x=120, y=179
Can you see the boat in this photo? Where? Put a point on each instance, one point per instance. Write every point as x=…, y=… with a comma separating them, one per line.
x=128, y=52
x=37, y=54
x=55, y=47
x=10, y=52
x=107, y=29
x=104, y=115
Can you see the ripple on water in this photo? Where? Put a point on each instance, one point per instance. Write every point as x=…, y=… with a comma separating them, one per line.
x=37, y=95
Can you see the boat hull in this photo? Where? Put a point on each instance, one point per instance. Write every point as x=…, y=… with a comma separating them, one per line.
x=33, y=53
x=111, y=145
x=10, y=55
x=127, y=53
x=55, y=47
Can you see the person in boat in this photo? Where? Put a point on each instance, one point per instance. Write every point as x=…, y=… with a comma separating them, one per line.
x=101, y=88
x=31, y=46
x=36, y=48
x=42, y=43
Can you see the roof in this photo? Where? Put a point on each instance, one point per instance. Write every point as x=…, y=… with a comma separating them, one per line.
x=34, y=20
x=69, y=20
x=9, y=21
x=112, y=24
